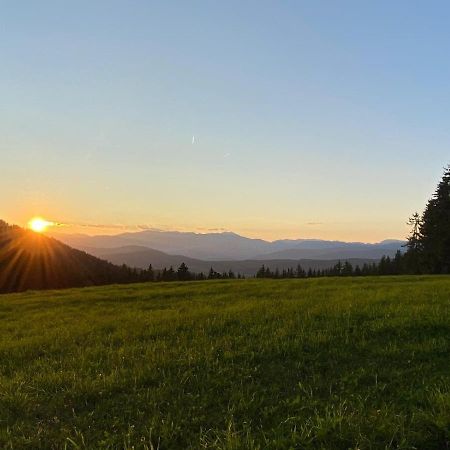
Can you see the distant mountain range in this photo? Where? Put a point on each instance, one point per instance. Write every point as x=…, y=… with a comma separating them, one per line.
x=224, y=251
x=141, y=257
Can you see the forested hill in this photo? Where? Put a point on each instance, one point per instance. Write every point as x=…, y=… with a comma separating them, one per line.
x=29, y=260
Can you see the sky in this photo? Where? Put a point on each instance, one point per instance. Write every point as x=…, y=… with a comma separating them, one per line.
x=287, y=119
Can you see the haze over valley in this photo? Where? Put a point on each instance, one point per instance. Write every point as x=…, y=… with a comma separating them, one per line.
x=224, y=251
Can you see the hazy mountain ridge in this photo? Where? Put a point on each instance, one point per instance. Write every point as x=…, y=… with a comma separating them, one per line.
x=231, y=246
x=342, y=251
x=142, y=257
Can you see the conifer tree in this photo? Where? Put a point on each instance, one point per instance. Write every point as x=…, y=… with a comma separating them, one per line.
x=261, y=272
x=434, y=238
x=183, y=273
x=150, y=273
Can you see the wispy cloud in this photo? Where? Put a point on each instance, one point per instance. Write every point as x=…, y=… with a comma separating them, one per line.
x=113, y=226
x=93, y=225
x=213, y=230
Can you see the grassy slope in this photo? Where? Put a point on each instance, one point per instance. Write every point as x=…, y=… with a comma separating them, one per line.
x=329, y=363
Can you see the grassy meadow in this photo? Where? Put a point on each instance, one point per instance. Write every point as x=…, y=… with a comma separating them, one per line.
x=335, y=363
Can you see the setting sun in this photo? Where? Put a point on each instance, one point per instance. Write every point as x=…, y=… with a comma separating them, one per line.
x=39, y=225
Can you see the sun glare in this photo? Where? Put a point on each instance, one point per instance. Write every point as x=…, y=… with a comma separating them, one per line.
x=39, y=225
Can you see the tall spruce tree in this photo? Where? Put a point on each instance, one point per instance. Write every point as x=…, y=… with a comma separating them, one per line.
x=433, y=244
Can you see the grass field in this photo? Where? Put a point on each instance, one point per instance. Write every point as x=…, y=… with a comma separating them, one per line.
x=348, y=363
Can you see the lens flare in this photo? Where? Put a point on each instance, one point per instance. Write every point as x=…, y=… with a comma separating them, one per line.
x=39, y=225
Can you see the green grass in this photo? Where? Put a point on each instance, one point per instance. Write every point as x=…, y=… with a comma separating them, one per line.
x=356, y=363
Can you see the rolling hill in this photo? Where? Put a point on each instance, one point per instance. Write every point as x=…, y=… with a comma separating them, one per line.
x=32, y=261
x=141, y=257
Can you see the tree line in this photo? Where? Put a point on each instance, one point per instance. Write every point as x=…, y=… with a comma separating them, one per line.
x=182, y=273
x=386, y=266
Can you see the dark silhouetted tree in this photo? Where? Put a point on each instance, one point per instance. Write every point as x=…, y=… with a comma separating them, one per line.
x=183, y=273
x=433, y=240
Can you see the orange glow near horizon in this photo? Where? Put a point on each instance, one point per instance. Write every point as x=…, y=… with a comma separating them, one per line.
x=268, y=230
x=39, y=225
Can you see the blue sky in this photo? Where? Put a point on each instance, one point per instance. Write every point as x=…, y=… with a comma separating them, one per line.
x=311, y=119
